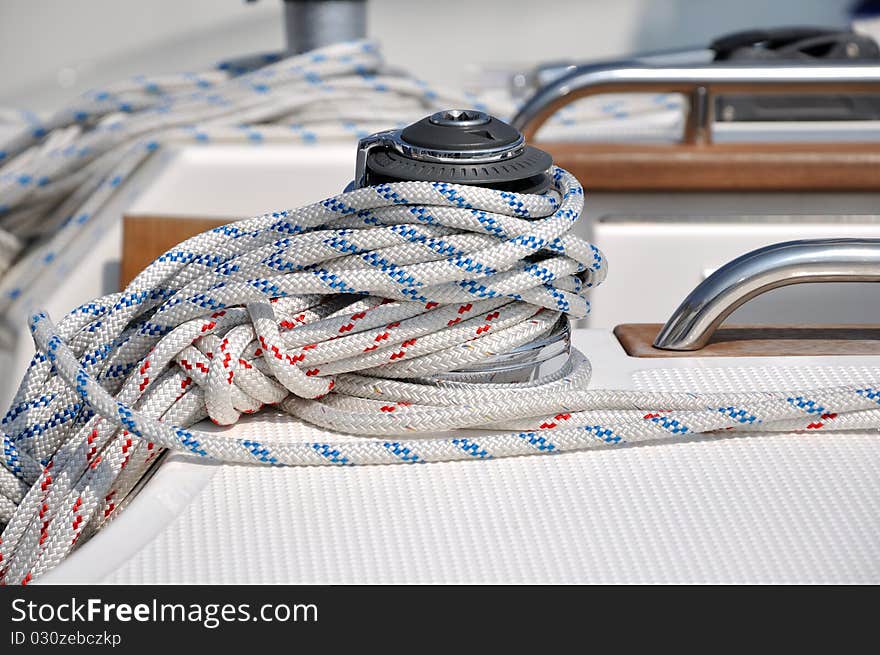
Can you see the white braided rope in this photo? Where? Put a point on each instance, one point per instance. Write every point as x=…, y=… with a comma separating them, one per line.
x=338, y=312
x=58, y=172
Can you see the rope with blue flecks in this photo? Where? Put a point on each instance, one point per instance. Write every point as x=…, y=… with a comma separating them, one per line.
x=340, y=313
x=59, y=173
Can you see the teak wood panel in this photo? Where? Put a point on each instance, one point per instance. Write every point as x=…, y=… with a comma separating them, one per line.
x=759, y=341
x=721, y=167
x=146, y=237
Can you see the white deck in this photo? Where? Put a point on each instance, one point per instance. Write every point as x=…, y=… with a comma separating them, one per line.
x=763, y=508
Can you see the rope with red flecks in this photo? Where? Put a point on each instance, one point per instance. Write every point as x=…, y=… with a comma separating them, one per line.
x=341, y=313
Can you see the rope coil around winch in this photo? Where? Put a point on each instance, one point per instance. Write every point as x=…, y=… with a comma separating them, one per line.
x=340, y=313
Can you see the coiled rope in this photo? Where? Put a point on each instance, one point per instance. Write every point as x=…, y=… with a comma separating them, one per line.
x=58, y=172
x=338, y=313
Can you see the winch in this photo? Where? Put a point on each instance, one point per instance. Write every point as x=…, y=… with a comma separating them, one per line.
x=467, y=146
x=457, y=146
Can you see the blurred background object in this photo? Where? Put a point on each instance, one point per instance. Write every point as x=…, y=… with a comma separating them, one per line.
x=52, y=50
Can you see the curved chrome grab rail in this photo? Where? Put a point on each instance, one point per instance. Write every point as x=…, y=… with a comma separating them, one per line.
x=779, y=265
x=699, y=83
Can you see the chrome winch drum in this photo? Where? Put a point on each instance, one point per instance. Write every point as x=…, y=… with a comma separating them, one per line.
x=466, y=146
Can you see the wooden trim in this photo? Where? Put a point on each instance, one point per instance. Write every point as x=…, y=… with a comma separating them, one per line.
x=146, y=237
x=760, y=341
x=852, y=167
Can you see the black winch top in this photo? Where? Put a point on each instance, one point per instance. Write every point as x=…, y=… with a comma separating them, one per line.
x=461, y=129
x=459, y=146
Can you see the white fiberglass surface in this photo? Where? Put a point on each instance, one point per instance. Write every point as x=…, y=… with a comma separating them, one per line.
x=237, y=181
x=762, y=508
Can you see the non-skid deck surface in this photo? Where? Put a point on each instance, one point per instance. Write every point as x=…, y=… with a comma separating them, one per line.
x=762, y=508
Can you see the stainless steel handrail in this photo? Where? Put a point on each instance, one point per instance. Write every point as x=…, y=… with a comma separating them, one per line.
x=782, y=264
x=699, y=83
